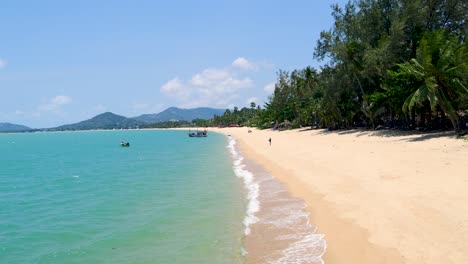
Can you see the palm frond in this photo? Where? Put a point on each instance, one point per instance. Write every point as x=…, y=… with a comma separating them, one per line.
x=406, y=105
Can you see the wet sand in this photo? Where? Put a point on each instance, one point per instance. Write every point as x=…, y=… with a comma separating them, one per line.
x=378, y=197
x=283, y=232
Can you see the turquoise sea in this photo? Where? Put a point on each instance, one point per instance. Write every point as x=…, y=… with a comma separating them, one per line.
x=79, y=197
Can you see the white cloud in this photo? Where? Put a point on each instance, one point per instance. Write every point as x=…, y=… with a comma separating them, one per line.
x=250, y=100
x=61, y=100
x=209, y=77
x=244, y=64
x=3, y=63
x=211, y=86
x=230, y=106
x=55, y=103
x=172, y=86
x=175, y=88
x=269, y=88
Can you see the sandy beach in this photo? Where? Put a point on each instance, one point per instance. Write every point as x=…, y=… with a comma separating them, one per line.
x=377, y=196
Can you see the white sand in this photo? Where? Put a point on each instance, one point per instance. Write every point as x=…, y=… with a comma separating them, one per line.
x=377, y=198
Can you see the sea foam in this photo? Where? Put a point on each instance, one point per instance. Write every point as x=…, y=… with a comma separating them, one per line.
x=253, y=204
x=291, y=235
x=290, y=219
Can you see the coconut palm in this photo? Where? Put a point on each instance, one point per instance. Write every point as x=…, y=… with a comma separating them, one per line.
x=442, y=69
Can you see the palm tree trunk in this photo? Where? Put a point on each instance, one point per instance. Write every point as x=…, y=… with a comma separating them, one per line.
x=452, y=116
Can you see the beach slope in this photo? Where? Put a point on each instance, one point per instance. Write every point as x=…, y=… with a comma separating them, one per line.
x=378, y=196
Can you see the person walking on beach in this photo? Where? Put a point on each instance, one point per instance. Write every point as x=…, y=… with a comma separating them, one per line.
x=269, y=140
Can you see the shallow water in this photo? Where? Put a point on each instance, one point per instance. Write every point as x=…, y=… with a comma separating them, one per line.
x=278, y=228
x=78, y=197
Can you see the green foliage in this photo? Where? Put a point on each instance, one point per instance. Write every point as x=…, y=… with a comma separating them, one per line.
x=171, y=124
x=294, y=99
x=388, y=60
x=441, y=68
x=244, y=117
x=201, y=122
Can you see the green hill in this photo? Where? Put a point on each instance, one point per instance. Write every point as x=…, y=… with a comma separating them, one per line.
x=174, y=113
x=106, y=120
x=8, y=127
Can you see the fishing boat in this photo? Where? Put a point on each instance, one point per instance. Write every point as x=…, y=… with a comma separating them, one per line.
x=203, y=133
x=124, y=144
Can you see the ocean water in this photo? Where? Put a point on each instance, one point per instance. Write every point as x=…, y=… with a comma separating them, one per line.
x=277, y=227
x=78, y=197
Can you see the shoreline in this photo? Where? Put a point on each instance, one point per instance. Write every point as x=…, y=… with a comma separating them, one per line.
x=377, y=199
x=277, y=228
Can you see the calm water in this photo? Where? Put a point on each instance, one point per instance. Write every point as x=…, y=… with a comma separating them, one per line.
x=79, y=197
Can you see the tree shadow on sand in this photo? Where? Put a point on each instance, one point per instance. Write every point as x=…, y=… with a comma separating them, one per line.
x=413, y=135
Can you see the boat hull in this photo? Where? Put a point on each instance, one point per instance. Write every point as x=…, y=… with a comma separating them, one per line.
x=197, y=135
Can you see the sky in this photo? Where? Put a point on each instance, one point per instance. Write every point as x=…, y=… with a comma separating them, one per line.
x=66, y=61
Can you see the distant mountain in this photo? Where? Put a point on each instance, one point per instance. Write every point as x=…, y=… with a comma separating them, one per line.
x=7, y=127
x=106, y=120
x=174, y=113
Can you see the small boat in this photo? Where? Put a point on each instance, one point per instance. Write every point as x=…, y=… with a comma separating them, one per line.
x=124, y=144
x=203, y=133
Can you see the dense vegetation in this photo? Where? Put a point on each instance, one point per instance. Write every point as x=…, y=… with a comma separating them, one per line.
x=171, y=124
x=245, y=116
x=391, y=63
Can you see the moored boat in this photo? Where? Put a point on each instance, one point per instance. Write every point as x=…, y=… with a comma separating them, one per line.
x=203, y=133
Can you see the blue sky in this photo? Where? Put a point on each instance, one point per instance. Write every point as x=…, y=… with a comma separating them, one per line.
x=66, y=61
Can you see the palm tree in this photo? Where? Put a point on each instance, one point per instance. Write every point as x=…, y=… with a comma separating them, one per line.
x=441, y=67
x=372, y=111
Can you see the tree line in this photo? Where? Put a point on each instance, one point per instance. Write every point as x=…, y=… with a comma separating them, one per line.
x=392, y=63
x=388, y=63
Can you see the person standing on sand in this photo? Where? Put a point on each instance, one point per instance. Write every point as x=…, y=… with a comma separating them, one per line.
x=269, y=140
